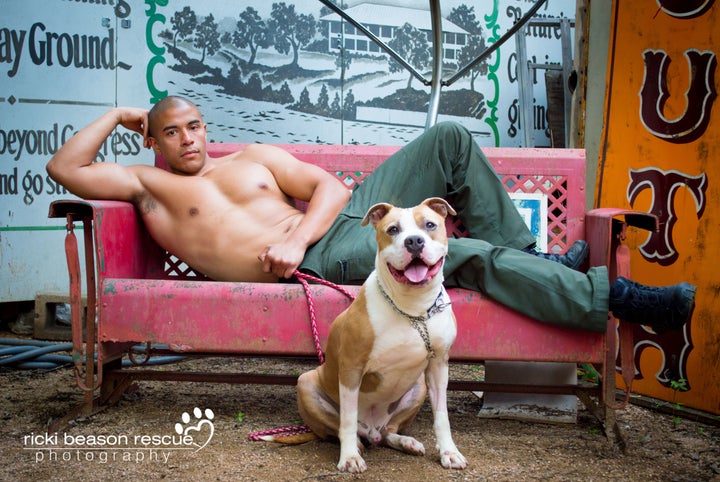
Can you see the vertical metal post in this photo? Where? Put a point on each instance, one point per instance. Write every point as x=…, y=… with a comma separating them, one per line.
x=436, y=82
x=525, y=97
x=567, y=67
x=341, y=40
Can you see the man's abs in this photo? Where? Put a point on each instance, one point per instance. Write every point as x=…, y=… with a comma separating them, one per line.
x=222, y=240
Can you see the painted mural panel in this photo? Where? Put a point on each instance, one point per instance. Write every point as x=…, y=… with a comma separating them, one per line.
x=662, y=132
x=56, y=75
x=274, y=72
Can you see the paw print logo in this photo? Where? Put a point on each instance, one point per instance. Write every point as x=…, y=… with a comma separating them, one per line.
x=202, y=425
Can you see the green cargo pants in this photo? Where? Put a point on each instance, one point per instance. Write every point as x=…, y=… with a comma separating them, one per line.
x=445, y=161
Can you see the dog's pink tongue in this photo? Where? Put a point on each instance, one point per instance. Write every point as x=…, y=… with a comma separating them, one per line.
x=416, y=272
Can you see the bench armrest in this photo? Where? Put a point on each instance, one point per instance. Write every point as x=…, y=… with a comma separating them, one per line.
x=122, y=246
x=603, y=225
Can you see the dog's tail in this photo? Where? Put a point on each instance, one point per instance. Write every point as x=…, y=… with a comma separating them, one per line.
x=295, y=435
x=291, y=439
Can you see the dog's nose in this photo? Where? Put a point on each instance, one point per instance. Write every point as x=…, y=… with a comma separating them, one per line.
x=414, y=244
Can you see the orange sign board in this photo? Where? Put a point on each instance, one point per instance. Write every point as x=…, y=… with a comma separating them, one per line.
x=661, y=154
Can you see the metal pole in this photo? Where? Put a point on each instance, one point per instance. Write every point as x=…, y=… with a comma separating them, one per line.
x=436, y=82
x=567, y=67
x=525, y=97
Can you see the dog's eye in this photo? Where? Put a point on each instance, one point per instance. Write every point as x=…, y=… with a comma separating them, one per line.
x=393, y=230
x=430, y=226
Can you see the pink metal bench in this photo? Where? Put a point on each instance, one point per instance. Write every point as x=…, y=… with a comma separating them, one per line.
x=143, y=295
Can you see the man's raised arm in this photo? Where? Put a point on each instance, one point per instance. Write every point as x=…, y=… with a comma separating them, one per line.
x=73, y=167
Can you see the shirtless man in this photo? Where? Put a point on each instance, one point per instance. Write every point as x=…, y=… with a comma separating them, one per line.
x=231, y=218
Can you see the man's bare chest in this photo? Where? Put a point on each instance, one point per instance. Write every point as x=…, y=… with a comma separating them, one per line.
x=241, y=182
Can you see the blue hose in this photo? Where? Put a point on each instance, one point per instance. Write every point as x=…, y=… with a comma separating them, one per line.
x=32, y=351
x=35, y=354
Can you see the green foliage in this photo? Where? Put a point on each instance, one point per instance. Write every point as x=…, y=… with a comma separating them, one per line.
x=588, y=373
x=679, y=385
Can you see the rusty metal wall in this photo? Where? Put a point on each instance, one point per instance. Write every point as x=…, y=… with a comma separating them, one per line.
x=660, y=153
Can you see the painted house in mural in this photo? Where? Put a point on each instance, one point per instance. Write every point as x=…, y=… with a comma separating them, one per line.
x=383, y=21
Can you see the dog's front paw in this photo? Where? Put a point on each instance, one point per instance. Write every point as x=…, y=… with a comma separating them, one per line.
x=353, y=464
x=453, y=460
x=405, y=443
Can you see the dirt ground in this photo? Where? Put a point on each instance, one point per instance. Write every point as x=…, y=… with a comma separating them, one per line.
x=137, y=439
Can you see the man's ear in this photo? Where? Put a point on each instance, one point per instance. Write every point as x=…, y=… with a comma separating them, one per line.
x=151, y=143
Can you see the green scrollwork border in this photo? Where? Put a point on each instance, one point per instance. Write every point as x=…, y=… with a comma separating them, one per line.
x=157, y=51
x=493, y=28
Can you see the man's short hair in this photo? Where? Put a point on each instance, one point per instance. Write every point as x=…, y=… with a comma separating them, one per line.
x=164, y=104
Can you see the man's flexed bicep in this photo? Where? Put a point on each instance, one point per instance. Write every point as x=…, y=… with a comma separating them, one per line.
x=73, y=167
x=324, y=193
x=101, y=180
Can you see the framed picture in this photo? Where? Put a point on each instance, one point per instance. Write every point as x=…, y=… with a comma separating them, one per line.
x=533, y=208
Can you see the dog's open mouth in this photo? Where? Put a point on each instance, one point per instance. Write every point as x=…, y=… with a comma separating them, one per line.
x=417, y=272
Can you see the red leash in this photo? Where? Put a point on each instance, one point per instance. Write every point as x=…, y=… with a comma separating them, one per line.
x=303, y=279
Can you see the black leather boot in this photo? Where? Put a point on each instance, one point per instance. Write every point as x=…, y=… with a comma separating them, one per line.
x=574, y=257
x=661, y=308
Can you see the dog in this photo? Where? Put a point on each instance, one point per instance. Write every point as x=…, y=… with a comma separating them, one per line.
x=391, y=346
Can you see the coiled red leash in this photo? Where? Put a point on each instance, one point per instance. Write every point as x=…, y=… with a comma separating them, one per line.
x=304, y=280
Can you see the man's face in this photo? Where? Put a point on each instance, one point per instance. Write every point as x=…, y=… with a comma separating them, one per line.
x=180, y=136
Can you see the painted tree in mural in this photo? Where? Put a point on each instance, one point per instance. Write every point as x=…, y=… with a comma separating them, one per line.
x=335, y=107
x=284, y=95
x=304, y=104
x=184, y=24
x=343, y=61
x=474, y=47
x=252, y=32
x=349, y=107
x=207, y=37
x=290, y=30
x=323, y=102
x=464, y=17
x=413, y=46
x=254, y=88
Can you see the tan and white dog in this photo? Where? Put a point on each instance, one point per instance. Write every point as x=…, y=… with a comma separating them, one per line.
x=392, y=340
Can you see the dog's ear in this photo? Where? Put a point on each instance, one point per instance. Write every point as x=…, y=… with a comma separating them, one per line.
x=440, y=206
x=376, y=213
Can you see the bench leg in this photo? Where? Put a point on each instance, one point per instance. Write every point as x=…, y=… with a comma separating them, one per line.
x=114, y=384
x=607, y=417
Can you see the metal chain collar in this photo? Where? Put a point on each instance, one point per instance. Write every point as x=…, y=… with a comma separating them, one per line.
x=419, y=322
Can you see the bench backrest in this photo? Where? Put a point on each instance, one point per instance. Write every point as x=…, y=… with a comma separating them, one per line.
x=557, y=173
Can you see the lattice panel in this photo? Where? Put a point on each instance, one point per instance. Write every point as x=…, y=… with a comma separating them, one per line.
x=351, y=179
x=554, y=187
x=176, y=268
